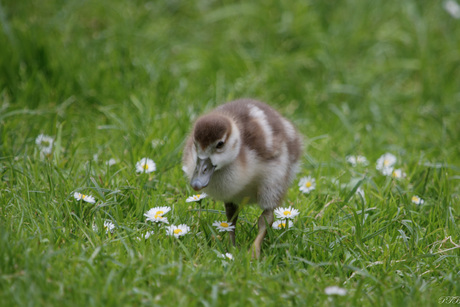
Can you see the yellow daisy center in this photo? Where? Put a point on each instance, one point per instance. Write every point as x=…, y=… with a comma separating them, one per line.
x=308, y=184
x=282, y=225
x=224, y=224
x=198, y=196
x=83, y=196
x=415, y=198
x=386, y=162
x=159, y=213
x=177, y=231
x=287, y=212
x=145, y=166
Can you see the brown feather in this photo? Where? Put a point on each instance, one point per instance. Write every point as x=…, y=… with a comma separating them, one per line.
x=211, y=128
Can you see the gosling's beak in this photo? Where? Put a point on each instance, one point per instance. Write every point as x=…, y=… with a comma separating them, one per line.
x=202, y=174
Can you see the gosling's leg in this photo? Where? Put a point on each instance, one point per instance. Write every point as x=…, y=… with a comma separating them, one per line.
x=232, y=216
x=265, y=220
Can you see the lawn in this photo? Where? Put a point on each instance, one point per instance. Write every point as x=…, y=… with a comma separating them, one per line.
x=122, y=80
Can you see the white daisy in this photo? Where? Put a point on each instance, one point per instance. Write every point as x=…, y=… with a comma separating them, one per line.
x=452, y=8
x=177, y=231
x=157, y=219
x=146, y=235
x=286, y=213
x=156, y=214
x=387, y=171
x=145, y=165
x=88, y=198
x=417, y=200
x=357, y=160
x=45, y=143
x=196, y=197
x=281, y=224
x=385, y=163
x=111, y=162
x=226, y=256
x=398, y=173
x=334, y=290
x=109, y=226
x=307, y=184
x=224, y=226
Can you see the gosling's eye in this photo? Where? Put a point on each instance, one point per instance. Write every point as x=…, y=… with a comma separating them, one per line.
x=220, y=145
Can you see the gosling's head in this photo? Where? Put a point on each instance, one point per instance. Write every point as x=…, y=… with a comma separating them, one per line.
x=217, y=143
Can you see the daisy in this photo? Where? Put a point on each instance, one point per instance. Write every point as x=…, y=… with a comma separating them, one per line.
x=146, y=235
x=177, y=231
x=281, y=224
x=88, y=198
x=156, y=214
x=307, y=184
x=45, y=143
x=417, y=200
x=398, y=173
x=111, y=162
x=452, y=8
x=226, y=256
x=387, y=171
x=224, y=226
x=109, y=226
x=386, y=163
x=357, y=160
x=197, y=197
x=157, y=218
x=334, y=290
x=286, y=213
x=145, y=165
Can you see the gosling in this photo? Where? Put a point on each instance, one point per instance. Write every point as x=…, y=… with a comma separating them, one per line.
x=243, y=152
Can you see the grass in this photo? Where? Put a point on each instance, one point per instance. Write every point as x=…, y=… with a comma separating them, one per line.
x=111, y=77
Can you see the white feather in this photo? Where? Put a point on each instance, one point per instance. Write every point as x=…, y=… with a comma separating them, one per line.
x=259, y=116
x=290, y=131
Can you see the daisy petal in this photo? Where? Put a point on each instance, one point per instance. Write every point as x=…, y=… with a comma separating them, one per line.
x=282, y=224
x=417, y=200
x=286, y=213
x=385, y=163
x=307, y=184
x=145, y=165
x=197, y=197
x=177, y=231
x=226, y=256
x=156, y=214
x=88, y=198
x=224, y=226
x=334, y=290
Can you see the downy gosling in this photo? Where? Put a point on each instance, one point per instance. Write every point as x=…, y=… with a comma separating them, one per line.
x=243, y=152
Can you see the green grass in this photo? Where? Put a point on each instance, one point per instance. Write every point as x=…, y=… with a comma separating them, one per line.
x=110, y=77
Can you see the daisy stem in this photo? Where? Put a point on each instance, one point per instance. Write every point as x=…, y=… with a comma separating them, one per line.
x=200, y=208
x=142, y=181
